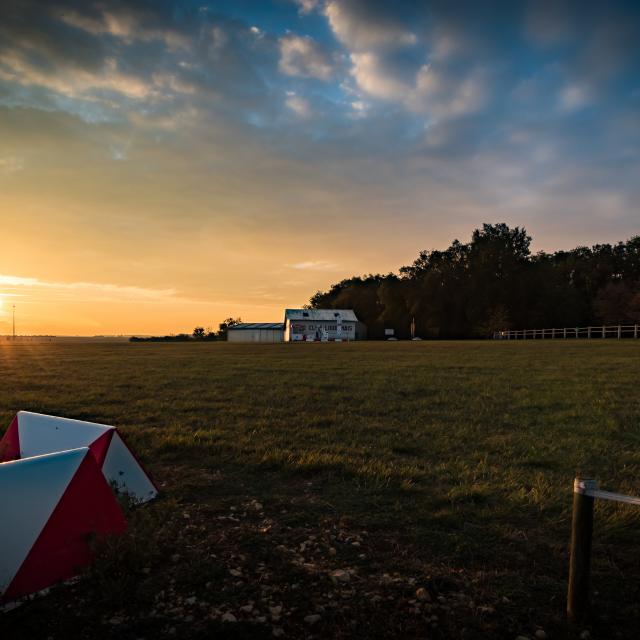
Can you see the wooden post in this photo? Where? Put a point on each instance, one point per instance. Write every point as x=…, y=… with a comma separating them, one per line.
x=604, y=331
x=553, y=333
x=619, y=332
x=589, y=332
x=580, y=555
x=564, y=333
x=635, y=331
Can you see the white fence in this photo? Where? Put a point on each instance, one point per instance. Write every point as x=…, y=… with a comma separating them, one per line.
x=618, y=331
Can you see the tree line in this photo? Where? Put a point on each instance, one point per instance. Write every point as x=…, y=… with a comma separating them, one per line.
x=199, y=334
x=494, y=283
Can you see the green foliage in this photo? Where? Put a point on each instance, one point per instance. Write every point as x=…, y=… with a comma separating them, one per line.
x=494, y=283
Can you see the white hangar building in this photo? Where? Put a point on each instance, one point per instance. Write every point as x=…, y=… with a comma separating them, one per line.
x=324, y=325
x=255, y=332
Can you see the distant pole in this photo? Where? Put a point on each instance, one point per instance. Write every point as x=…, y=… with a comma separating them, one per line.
x=580, y=555
x=14, y=321
x=413, y=328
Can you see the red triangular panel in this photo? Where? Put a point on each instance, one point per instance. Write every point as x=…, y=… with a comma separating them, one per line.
x=86, y=508
x=10, y=443
x=100, y=446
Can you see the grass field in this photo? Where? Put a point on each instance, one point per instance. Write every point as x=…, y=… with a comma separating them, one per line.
x=442, y=467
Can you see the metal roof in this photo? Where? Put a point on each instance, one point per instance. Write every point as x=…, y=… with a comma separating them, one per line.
x=347, y=315
x=271, y=326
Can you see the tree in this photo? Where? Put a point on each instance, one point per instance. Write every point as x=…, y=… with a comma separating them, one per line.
x=613, y=303
x=223, y=326
x=633, y=308
x=493, y=282
x=198, y=333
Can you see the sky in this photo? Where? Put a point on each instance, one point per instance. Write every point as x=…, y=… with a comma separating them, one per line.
x=169, y=164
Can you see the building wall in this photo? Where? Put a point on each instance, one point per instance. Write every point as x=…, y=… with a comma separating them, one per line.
x=254, y=335
x=312, y=330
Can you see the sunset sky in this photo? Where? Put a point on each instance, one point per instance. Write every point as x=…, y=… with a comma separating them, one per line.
x=168, y=164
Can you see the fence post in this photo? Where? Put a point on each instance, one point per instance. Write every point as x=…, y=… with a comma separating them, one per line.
x=564, y=333
x=589, y=332
x=635, y=331
x=604, y=331
x=619, y=332
x=580, y=554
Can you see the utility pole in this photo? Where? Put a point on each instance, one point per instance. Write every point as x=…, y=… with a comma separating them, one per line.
x=14, y=321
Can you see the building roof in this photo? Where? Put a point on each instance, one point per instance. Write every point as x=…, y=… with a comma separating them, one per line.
x=347, y=315
x=271, y=326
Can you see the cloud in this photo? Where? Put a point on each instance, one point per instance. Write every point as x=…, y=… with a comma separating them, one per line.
x=91, y=289
x=307, y=6
x=413, y=58
x=76, y=83
x=314, y=265
x=11, y=164
x=444, y=96
x=125, y=22
x=360, y=108
x=299, y=105
x=302, y=56
x=574, y=97
x=549, y=22
x=364, y=24
x=433, y=93
x=124, y=59
x=374, y=80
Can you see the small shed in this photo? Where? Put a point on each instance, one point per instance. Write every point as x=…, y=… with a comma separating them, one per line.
x=256, y=332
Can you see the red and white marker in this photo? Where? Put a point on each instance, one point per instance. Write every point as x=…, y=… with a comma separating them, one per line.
x=34, y=434
x=50, y=505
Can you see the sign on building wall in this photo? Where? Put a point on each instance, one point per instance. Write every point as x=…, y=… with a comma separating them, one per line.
x=322, y=331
